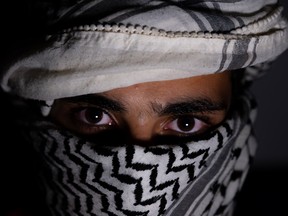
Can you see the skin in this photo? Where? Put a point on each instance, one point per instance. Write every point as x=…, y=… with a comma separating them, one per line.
x=183, y=108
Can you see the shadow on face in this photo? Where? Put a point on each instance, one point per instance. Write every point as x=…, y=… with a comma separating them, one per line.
x=149, y=113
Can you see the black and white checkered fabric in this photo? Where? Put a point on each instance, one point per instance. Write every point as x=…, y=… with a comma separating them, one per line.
x=195, y=178
x=96, y=45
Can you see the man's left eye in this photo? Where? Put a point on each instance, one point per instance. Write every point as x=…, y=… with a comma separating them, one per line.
x=186, y=125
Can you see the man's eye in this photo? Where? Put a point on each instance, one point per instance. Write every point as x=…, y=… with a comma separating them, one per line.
x=186, y=125
x=94, y=117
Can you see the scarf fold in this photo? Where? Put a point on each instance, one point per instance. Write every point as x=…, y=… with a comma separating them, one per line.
x=200, y=177
x=98, y=45
x=95, y=46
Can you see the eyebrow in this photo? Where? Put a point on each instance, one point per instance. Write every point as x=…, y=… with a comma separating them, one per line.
x=184, y=106
x=192, y=105
x=98, y=100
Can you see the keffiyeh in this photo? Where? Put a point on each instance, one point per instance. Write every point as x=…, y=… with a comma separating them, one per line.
x=94, y=46
x=199, y=177
x=98, y=45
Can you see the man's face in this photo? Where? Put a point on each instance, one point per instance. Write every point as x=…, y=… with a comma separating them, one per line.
x=183, y=108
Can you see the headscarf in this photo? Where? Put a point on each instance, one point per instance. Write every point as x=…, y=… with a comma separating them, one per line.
x=94, y=46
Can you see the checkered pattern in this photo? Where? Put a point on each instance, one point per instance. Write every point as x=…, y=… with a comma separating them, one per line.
x=195, y=178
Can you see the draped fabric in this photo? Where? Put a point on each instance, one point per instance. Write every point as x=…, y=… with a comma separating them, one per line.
x=198, y=177
x=94, y=46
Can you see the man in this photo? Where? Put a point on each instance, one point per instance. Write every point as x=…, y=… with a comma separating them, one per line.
x=141, y=107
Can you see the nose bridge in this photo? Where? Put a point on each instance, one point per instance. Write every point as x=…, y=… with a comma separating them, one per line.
x=142, y=126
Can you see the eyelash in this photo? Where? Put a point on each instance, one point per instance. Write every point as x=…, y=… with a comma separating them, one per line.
x=99, y=115
x=89, y=127
x=77, y=115
x=197, y=122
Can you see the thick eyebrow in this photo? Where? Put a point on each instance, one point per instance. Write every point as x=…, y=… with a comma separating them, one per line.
x=184, y=106
x=192, y=105
x=98, y=100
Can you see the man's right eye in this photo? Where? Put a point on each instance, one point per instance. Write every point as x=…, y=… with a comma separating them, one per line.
x=94, y=117
x=89, y=120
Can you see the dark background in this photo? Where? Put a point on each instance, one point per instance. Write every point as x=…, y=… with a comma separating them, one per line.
x=272, y=124
x=265, y=190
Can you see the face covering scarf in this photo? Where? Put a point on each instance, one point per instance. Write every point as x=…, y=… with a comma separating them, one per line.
x=196, y=178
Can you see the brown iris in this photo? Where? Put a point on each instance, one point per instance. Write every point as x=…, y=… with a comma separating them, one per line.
x=93, y=115
x=185, y=123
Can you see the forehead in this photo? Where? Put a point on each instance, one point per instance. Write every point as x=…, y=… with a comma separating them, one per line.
x=214, y=86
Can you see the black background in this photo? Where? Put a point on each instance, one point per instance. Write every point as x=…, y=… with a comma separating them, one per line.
x=271, y=127
x=266, y=188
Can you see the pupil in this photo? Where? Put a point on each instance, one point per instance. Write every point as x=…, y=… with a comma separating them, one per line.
x=94, y=115
x=185, y=124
